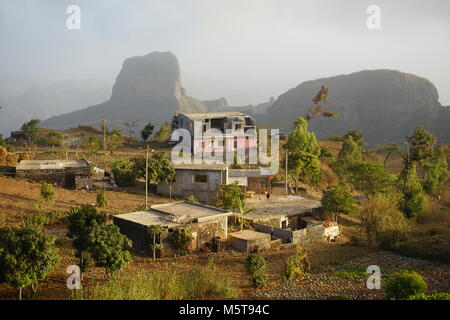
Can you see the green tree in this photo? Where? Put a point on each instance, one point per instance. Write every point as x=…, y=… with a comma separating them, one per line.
x=256, y=264
x=47, y=193
x=303, y=154
x=147, y=131
x=102, y=201
x=357, y=137
x=350, y=151
x=163, y=133
x=109, y=248
x=26, y=257
x=115, y=139
x=155, y=232
x=421, y=145
x=413, y=199
x=230, y=196
x=81, y=221
x=124, y=173
x=338, y=199
x=436, y=173
x=243, y=210
x=404, y=285
x=91, y=143
x=30, y=129
x=369, y=178
x=174, y=124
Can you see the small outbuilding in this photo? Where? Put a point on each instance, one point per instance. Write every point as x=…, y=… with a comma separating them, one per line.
x=71, y=174
x=249, y=240
x=204, y=223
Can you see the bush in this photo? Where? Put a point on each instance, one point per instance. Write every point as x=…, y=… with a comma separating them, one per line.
x=296, y=264
x=255, y=268
x=404, y=285
x=123, y=173
x=384, y=225
x=325, y=153
x=434, y=296
x=102, y=202
x=180, y=239
x=47, y=192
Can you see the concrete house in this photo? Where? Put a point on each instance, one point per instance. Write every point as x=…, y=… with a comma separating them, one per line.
x=203, y=222
x=233, y=125
x=199, y=180
x=71, y=174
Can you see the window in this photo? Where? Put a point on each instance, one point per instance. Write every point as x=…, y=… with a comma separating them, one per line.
x=202, y=178
x=237, y=126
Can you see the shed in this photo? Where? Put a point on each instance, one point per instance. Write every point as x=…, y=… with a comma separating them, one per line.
x=249, y=240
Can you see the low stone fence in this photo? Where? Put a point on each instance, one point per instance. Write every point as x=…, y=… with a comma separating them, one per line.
x=310, y=234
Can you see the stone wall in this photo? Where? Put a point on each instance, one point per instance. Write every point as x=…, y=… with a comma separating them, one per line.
x=310, y=234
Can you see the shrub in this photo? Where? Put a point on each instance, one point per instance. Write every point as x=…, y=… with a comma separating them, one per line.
x=47, y=192
x=296, y=264
x=192, y=199
x=325, y=153
x=433, y=296
x=404, y=285
x=255, y=269
x=384, y=225
x=180, y=239
x=102, y=202
x=123, y=173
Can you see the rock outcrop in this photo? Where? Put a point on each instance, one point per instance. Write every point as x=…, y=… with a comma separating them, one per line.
x=148, y=88
x=384, y=105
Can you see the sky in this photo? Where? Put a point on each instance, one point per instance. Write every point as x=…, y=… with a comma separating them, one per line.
x=243, y=50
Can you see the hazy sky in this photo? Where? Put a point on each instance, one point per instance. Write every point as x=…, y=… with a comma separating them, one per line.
x=245, y=50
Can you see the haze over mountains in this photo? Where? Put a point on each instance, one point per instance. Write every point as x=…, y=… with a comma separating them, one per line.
x=385, y=105
x=22, y=101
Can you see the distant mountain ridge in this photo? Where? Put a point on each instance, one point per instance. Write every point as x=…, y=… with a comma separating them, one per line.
x=384, y=105
x=148, y=88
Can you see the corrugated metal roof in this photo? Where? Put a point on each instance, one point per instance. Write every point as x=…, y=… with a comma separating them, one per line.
x=51, y=164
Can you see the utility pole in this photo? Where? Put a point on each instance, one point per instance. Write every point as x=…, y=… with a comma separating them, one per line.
x=146, y=181
x=286, y=171
x=105, y=123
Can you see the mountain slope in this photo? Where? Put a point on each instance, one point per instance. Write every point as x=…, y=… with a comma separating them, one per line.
x=385, y=105
x=148, y=88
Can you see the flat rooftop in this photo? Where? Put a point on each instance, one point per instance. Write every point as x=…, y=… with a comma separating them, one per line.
x=172, y=214
x=214, y=115
x=278, y=206
x=212, y=167
x=51, y=164
x=249, y=235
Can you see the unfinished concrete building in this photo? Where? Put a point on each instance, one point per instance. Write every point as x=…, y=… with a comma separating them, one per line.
x=199, y=180
x=234, y=127
x=203, y=222
x=71, y=174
